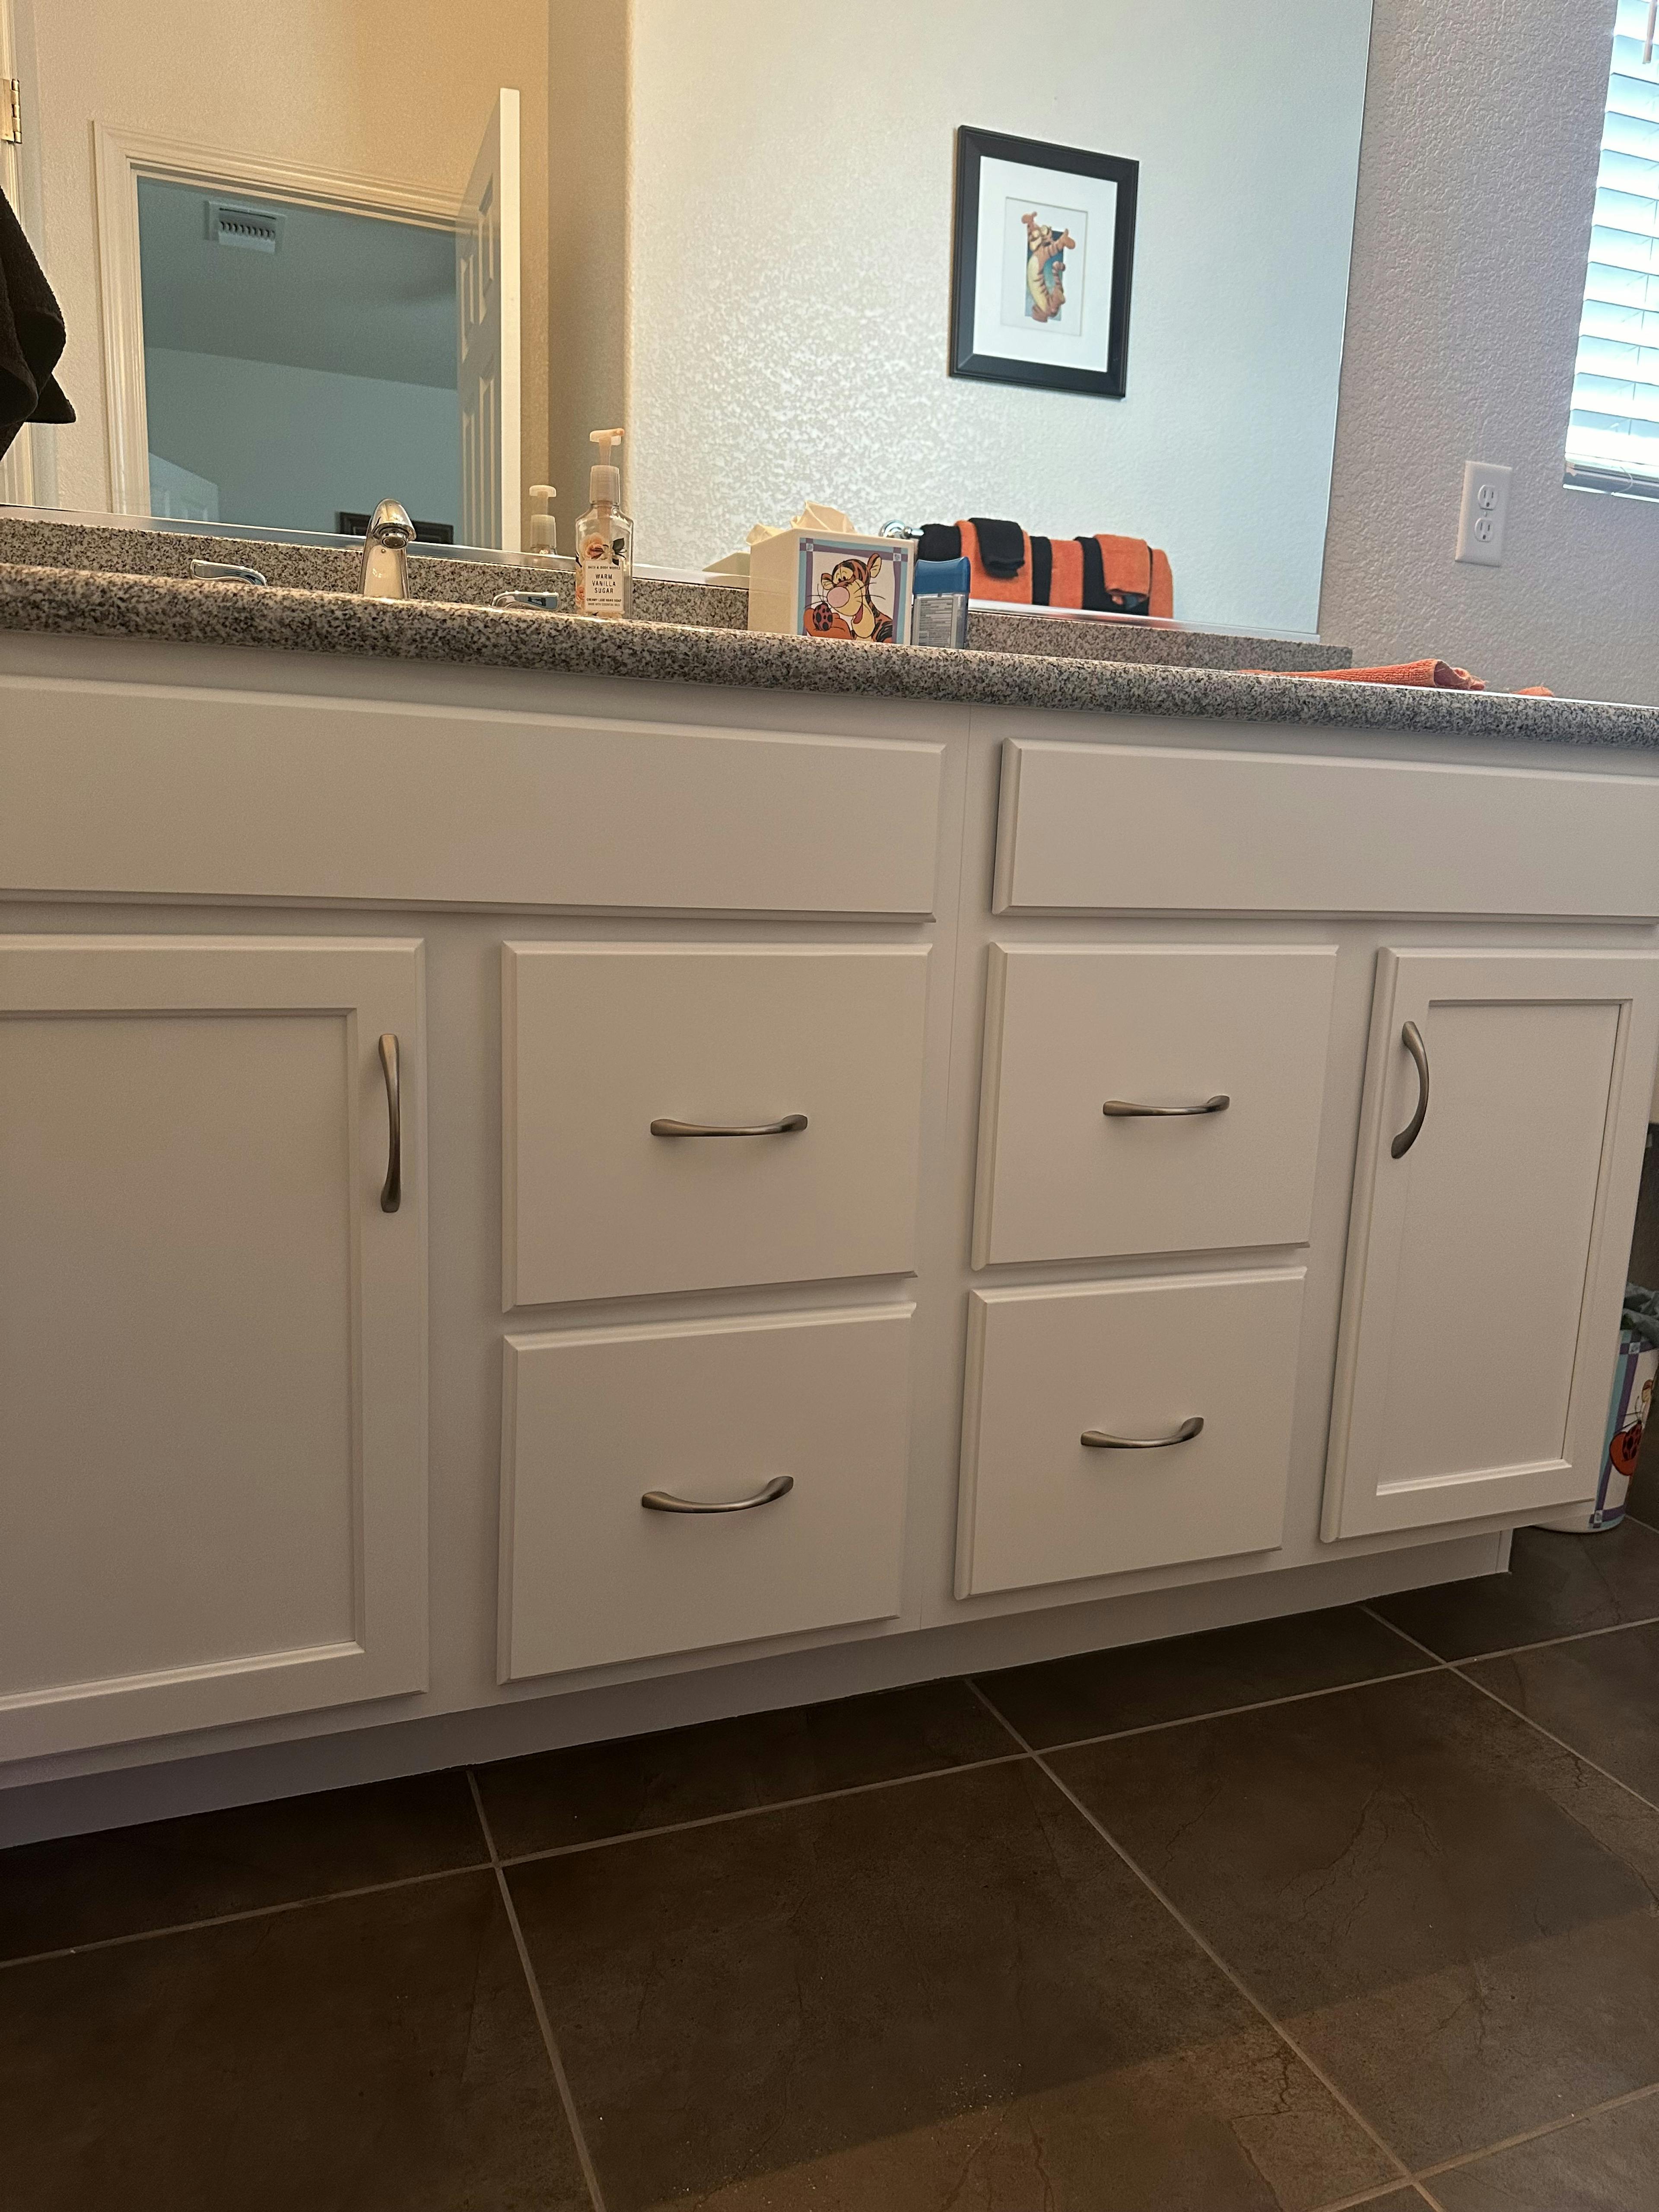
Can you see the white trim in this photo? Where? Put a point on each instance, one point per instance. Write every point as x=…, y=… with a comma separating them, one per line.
x=119, y=159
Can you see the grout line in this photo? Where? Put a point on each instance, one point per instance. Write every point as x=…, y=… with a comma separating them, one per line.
x=231, y=1919
x=1559, y=1741
x=1409, y=1638
x=1226, y=1712
x=1209, y=1950
x=754, y=1812
x=561, y=2081
x=1550, y=1643
x=1536, y=2135
x=1378, y=2196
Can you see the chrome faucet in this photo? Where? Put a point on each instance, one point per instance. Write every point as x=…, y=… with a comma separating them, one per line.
x=386, y=564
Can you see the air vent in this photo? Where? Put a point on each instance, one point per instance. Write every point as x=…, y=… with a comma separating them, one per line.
x=251, y=228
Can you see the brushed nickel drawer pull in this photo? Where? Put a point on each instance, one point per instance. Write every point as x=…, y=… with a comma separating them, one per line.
x=664, y=1501
x=1411, y=1037
x=391, y=1193
x=1122, y=1110
x=1098, y=1440
x=787, y=1128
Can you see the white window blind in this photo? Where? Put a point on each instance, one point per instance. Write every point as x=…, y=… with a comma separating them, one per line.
x=1613, y=436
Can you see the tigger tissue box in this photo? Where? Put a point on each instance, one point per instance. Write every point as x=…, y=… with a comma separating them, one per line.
x=818, y=577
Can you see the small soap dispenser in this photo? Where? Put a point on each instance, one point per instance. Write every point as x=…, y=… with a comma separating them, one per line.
x=544, y=529
x=604, y=539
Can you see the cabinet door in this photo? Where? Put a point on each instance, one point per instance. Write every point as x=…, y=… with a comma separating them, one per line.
x=212, y=1360
x=1486, y=1257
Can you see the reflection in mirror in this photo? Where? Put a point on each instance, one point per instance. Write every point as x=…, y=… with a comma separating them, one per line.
x=354, y=253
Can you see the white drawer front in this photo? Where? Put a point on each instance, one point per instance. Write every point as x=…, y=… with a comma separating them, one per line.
x=1068, y=1030
x=1129, y=1360
x=1144, y=828
x=710, y=1411
x=602, y=1041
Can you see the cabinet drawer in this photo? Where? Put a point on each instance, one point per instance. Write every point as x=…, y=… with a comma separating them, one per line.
x=713, y=1412
x=1144, y=828
x=1067, y=1032
x=1131, y=1360
x=603, y=1041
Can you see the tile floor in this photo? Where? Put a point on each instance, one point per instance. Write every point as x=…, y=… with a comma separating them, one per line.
x=1357, y=1908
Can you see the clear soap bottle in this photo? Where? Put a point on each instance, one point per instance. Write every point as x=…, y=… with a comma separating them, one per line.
x=604, y=540
x=543, y=550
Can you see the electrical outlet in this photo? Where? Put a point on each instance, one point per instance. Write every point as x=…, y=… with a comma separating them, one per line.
x=1480, y=523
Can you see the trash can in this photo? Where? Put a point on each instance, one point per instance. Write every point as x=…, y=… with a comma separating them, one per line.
x=1633, y=1375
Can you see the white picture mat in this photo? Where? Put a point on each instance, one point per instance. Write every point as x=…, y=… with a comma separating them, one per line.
x=1082, y=345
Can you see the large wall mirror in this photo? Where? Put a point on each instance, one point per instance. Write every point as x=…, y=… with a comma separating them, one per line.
x=327, y=252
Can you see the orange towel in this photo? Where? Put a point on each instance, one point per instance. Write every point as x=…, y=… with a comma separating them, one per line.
x=1428, y=675
x=983, y=585
x=1130, y=565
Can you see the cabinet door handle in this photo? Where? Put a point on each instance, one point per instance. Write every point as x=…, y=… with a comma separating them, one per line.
x=1098, y=1439
x=664, y=1501
x=391, y=1191
x=1123, y=1109
x=787, y=1128
x=1411, y=1037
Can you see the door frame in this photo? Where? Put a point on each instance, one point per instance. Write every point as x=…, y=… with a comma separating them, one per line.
x=120, y=157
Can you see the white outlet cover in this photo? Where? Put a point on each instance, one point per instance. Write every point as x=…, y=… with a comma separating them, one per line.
x=1480, y=519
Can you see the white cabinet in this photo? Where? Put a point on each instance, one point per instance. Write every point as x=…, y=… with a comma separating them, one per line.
x=1211, y=1061
x=1486, y=1256
x=1116, y=1425
x=668, y=1488
x=212, y=1336
x=683, y=1116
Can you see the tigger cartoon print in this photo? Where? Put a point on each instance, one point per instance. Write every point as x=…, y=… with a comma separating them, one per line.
x=845, y=604
x=1046, y=249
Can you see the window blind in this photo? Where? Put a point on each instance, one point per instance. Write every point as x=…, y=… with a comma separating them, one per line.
x=1612, y=434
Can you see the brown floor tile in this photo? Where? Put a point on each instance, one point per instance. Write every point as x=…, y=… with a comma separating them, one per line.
x=947, y=1995
x=1557, y=1585
x=1138, y=1684
x=372, y=2054
x=593, y=1790
x=1606, y=2164
x=1601, y=1696
x=1456, y=1918
x=82, y=1889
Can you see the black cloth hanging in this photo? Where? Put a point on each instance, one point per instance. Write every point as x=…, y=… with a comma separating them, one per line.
x=31, y=336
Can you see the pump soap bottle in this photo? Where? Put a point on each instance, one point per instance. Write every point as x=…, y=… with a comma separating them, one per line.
x=604, y=540
x=544, y=529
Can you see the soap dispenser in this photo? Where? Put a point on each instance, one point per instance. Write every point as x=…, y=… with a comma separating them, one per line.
x=544, y=529
x=604, y=539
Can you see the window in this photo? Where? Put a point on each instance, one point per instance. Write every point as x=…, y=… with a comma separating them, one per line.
x=1612, y=437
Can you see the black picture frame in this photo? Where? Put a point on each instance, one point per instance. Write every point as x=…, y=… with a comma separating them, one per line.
x=973, y=147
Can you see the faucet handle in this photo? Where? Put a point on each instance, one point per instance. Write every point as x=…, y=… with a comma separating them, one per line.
x=390, y=525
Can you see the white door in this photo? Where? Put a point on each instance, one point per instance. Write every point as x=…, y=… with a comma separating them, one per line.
x=212, y=1334
x=487, y=305
x=1489, y=1233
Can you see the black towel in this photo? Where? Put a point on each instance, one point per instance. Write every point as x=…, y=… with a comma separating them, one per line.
x=31, y=336
x=940, y=541
x=1001, y=546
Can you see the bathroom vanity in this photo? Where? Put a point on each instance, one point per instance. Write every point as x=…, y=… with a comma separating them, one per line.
x=561, y=1179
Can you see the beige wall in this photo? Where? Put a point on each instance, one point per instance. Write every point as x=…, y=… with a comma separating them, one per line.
x=400, y=91
x=1476, y=187
x=587, y=290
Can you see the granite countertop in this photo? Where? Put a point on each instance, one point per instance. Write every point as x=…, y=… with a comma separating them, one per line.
x=65, y=600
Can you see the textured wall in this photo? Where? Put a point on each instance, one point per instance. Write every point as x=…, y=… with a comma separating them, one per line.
x=1476, y=188
x=790, y=250
x=402, y=91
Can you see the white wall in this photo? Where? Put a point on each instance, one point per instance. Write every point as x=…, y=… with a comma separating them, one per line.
x=790, y=222
x=291, y=446
x=1476, y=188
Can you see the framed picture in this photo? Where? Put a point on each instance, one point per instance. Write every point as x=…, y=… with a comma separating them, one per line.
x=1044, y=250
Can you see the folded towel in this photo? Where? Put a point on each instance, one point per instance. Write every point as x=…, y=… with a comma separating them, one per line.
x=31, y=336
x=1428, y=675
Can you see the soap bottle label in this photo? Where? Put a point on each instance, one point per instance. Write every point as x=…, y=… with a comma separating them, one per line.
x=601, y=580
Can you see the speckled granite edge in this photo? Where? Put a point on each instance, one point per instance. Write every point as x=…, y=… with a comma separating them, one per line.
x=39, y=543
x=74, y=603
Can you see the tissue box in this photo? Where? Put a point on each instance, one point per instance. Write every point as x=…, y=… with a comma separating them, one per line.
x=814, y=583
